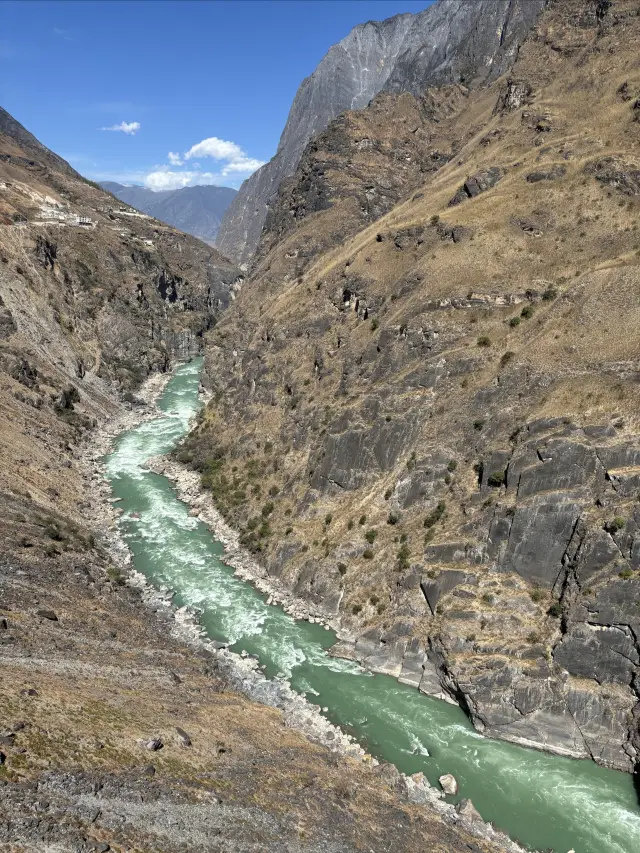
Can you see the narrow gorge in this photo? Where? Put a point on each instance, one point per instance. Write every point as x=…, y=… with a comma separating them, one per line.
x=297, y=527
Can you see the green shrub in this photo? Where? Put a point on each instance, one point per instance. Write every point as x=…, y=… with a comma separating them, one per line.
x=452, y=465
x=362, y=520
x=484, y=341
x=615, y=524
x=488, y=598
x=393, y=517
x=367, y=554
x=374, y=599
x=555, y=610
x=527, y=312
x=328, y=519
x=273, y=491
x=267, y=509
x=435, y=516
x=264, y=530
x=533, y=638
x=435, y=219
x=478, y=425
x=550, y=294
x=496, y=479
x=625, y=574
x=370, y=536
x=506, y=358
x=514, y=321
x=350, y=524
x=537, y=594
x=403, y=556
x=357, y=608
x=115, y=575
x=374, y=324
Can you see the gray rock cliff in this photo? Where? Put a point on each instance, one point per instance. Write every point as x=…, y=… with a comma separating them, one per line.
x=450, y=41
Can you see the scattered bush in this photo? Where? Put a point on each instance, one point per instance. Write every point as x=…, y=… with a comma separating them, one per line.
x=537, y=595
x=555, y=610
x=267, y=509
x=350, y=524
x=514, y=321
x=362, y=520
x=435, y=219
x=357, y=608
x=328, y=519
x=374, y=599
x=527, y=312
x=367, y=554
x=273, y=491
x=288, y=531
x=550, y=294
x=533, y=638
x=411, y=461
x=625, y=574
x=452, y=465
x=374, y=324
x=478, y=425
x=488, y=598
x=388, y=494
x=342, y=568
x=370, y=536
x=506, y=358
x=484, y=341
x=393, y=517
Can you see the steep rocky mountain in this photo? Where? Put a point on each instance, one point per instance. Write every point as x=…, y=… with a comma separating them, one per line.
x=117, y=732
x=195, y=210
x=449, y=42
x=425, y=399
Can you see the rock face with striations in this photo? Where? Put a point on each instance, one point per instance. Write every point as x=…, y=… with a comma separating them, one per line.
x=448, y=42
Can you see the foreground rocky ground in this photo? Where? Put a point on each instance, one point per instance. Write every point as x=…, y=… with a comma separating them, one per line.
x=424, y=415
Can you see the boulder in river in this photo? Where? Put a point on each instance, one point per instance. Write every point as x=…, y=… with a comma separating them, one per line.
x=448, y=784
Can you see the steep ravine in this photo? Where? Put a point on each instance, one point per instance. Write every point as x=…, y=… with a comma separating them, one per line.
x=585, y=807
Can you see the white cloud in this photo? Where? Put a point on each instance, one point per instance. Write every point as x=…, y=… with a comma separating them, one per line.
x=165, y=179
x=219, y=149
x=236, y=159
x=244, y=164
x=128, y=127
x=174, y=158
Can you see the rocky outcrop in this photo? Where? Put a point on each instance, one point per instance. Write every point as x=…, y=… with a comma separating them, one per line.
x=406, y=53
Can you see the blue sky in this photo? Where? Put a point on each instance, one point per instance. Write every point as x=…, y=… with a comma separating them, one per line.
x=210, y=82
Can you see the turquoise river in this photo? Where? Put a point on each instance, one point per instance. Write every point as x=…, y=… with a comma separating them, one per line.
x=545, y=802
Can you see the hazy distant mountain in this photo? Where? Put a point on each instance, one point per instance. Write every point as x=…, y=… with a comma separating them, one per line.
x=196, y=210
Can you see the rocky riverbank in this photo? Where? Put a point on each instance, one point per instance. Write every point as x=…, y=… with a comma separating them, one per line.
x=243, y=673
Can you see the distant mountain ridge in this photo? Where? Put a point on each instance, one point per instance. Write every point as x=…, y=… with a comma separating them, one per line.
x=195, y=210
x=449, y=42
